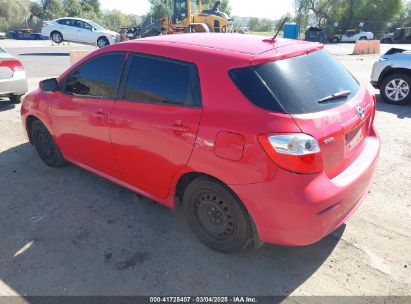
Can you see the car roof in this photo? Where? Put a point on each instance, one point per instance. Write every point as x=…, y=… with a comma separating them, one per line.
x=249, y=47
x=74, y=18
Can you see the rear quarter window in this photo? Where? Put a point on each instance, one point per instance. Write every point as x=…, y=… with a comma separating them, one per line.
x=296, y=85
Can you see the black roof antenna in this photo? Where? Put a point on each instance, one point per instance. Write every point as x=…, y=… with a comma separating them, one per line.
x=280, y=28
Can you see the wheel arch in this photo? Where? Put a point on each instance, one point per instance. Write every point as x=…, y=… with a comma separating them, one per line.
x=103, y=37
x=388, y=71
x=30, y=119
x=188, y=177
x=56, y=31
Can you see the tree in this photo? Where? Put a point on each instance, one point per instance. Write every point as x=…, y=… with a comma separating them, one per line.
x=73, y=8
x=91, y=6
x=349, y=12
x=224, y=5
x=160, y=8
x=253, y=24
x=47, y=9
x=404, y=19
x=13, y=14
x=265, y=25
x=322, y=9
x=115, y=19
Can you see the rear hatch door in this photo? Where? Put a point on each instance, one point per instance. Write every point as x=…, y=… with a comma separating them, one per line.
x=304, y=87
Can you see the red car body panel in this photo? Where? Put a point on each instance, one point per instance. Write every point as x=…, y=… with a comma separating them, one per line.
x=82, y=128
x=146, y=163
x=149, y=147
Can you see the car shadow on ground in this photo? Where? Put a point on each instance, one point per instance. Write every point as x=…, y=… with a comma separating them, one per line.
x=6, y=105
x=46, y=54
x=402, y=111
x=68, y=232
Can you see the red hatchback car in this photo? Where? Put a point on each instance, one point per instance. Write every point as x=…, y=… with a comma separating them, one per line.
x=257, y=139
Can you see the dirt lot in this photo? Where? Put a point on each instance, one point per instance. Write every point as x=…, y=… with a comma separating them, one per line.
x=69, y=232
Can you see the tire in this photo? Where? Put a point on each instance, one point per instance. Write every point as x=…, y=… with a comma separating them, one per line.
x=335, y=40
x=57, y=37
x=216, y=216
x=387, y=41
x=45, y=145
x=395, y=89
x=102, y=42
x=363, y=38
x=15, y=99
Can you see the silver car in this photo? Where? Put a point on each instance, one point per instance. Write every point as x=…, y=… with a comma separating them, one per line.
x=13, y=81
x=391, y=74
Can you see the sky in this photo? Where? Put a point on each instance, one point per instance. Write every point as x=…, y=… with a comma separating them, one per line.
x=272, y=9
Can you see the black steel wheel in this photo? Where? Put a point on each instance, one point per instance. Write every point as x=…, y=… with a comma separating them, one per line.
x=45, y=145
x=216, y=216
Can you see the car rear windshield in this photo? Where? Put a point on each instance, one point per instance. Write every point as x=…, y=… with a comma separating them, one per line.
x=296, y=85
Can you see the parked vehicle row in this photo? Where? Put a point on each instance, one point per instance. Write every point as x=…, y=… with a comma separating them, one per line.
x=351, y=36
x=281, y=151
x=400, y=35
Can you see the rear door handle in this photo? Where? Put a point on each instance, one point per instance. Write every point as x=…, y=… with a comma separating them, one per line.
x=100, y=114
x=179, y=128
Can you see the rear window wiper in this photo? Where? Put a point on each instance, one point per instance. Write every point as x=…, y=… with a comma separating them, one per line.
x=335, y=96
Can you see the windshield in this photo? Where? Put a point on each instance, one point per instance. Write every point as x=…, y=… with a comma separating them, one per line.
x=296, y=85
x=96, y=25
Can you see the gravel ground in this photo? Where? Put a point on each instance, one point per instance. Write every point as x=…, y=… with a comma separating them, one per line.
x=69, y=232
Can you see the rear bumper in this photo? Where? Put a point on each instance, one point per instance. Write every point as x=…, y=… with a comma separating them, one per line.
x=297, y=209
x=15, y=86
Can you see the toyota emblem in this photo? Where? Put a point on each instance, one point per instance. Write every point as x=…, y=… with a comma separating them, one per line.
x=361, y=112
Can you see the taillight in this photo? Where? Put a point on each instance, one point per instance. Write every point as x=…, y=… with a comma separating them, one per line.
x=297, y=152
x=45, y=23
x=13, y=65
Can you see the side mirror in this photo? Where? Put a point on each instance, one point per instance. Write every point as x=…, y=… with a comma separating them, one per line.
x=49, y=85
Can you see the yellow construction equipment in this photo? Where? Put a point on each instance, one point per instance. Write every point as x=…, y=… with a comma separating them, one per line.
x=188, y=16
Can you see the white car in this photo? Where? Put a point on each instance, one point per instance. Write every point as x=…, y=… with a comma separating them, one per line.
x=79, y=30
x=13, y=81
x=355, y=35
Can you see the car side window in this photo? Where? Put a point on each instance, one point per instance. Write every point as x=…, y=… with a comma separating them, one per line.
x=161, y=80
x=98, y=77
x=64, y=22
x=78, y=23
x=87, y=26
